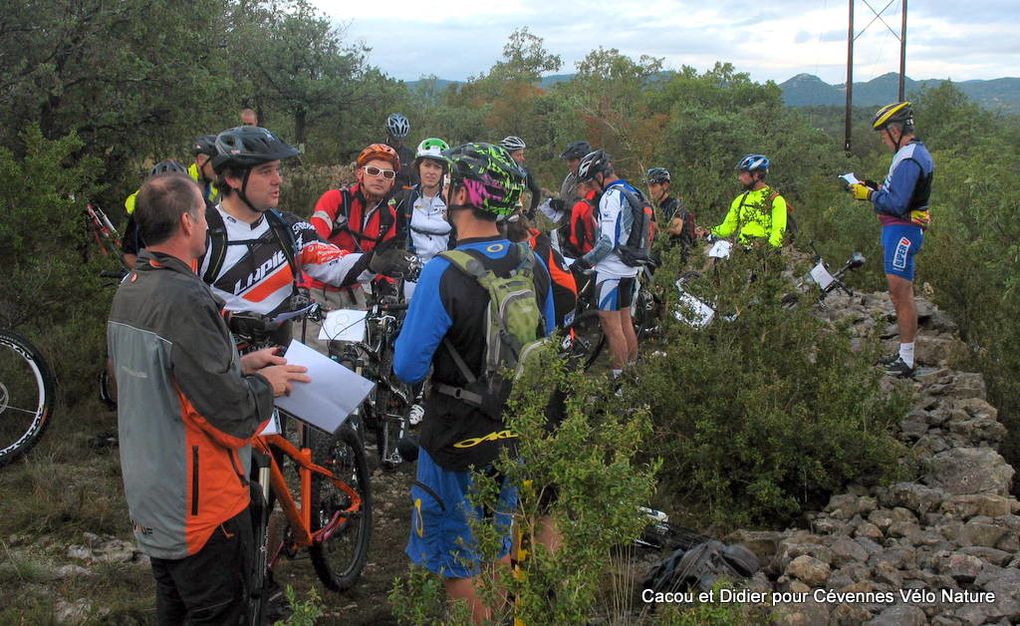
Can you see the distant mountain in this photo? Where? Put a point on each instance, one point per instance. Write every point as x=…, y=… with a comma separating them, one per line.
x=1000, y=94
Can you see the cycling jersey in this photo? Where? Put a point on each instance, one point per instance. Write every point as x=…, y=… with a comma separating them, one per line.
x=450, y=305
x=756, y=213
x=422, y=222
x=564, y=286
x=209, y=190
x=907, y=186
x=615, y=222
x=255, y=275
x=582, y=225
x=673, y=208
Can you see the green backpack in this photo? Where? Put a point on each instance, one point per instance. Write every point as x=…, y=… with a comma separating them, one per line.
x=514, y=330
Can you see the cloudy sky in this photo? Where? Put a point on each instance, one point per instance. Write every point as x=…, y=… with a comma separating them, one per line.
x=775, y=40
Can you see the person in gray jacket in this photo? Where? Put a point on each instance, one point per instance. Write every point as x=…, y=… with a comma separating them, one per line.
x=188, y=408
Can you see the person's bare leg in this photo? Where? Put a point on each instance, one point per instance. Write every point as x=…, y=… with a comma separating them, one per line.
x=466, y=589
x=901, y=291
x=629, y=334
x=615, y=337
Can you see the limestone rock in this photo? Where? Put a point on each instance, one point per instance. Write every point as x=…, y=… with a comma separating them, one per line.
x=969, y=471
x=813, y=572
x=900, y=615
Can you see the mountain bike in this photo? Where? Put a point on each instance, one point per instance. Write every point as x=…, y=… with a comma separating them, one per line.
x=27, y=395
x=585, y=340
x=329, y=512
x=107, y=238
x=388, y=409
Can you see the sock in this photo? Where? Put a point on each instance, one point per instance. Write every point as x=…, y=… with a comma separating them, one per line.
x=617, y=373
x=907, y=353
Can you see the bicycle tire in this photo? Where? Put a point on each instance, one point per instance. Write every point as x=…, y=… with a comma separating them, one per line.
x=339, y=560
x=27, y=396
x=646, y=314
x=390, y=416
x=255, y=599
x=589, y=339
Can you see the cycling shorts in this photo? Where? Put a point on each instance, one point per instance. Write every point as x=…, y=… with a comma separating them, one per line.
x=441, y=539
x=615, y=293
x=900, y=242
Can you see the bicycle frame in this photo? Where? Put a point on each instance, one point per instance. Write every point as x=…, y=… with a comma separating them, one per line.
x=300, y=516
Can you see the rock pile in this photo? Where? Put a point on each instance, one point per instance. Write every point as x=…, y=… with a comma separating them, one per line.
x=944, y=550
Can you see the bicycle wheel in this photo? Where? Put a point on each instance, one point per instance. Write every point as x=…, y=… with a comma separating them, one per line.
x=391, y=408
x=26, y=396
x=588, y=338
x=256, y=591
x=646, y=313
x=339, y=560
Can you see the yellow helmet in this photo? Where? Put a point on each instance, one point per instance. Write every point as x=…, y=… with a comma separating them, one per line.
x=899, y=112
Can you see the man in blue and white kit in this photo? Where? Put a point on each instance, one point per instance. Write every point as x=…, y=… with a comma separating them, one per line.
x=901, y=203
x=445, y=330
x=615, y=281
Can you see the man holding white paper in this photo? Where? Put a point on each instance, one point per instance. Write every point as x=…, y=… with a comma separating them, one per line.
x=188, y=408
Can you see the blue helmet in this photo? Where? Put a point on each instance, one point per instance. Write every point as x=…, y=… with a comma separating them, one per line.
x=754, y=163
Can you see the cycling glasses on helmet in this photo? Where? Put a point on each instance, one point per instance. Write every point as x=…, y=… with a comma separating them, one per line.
x=372, y=170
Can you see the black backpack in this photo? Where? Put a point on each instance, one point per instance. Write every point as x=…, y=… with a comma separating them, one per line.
x=636, y=252
x=341, y=225
x=700, y=566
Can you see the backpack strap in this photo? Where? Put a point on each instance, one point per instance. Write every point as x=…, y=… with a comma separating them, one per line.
x=217, y=250
x=345, y=210
x=285, y=237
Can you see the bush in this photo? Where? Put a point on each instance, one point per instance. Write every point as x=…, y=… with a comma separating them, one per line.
x=763, y=417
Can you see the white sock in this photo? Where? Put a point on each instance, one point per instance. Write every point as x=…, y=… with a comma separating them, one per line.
x=907, y=353
x=617, y=373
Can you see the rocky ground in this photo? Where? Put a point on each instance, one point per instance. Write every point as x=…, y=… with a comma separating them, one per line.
x=944, y=550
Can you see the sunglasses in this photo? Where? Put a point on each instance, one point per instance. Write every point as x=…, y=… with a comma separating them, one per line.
x=371, y=170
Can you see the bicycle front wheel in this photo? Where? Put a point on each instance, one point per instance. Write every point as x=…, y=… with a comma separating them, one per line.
x=339, y=559
x=26, y=396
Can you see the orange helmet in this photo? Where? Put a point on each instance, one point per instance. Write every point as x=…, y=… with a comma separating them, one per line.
x=381, y=152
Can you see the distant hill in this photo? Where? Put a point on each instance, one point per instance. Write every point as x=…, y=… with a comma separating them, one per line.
x=1000, y=94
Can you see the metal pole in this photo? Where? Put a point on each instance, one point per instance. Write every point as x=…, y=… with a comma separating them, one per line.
x=903, y=52
x=849, y=79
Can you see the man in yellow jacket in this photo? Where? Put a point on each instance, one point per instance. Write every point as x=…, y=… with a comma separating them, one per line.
x=759, y=212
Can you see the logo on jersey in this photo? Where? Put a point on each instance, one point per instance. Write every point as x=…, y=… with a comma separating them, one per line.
x=900, y=256
x=268, y=267
x=493, y=436
x=496, y=247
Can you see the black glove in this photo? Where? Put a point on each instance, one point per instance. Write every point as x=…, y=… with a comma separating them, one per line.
x=581, y=265
x=870, y=184
x=391, y=262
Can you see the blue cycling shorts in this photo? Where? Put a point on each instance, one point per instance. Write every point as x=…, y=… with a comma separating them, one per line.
x=614, y=293
x=441, y=539
x=900, y=243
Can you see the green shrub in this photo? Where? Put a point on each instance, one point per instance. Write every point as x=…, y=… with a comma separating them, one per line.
x=763, y=417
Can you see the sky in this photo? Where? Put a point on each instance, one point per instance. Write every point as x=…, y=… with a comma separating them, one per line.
x=457, y=39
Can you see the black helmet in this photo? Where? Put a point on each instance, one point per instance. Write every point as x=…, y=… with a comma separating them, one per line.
x=206, y=144
x=658, y=175
x=594, y=163
x=169, y=166
x=576, y=150
x=895, y=113
x=247, y=146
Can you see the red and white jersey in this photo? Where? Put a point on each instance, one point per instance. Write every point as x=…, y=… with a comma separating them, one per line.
x=256, y=277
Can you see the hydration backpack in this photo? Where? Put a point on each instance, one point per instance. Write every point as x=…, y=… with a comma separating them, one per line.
x=636, y=252
x=217, y=251
x=513, y=332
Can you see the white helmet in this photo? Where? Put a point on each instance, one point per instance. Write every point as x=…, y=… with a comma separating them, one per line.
x=398, y=126
x=431, y=148
x=513, y=143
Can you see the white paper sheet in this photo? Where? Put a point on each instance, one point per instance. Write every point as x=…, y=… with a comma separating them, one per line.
x=334, y=393
x=821, y=276
x=272, y=426
x=343, y=325
x=720, y=249
x=849, y=178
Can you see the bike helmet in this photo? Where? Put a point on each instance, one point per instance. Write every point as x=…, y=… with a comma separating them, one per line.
x=594, y=163
x=898, y=112
x=380, y=152
x=513, y=143
x=754, y=163
x=247, y=146
x=431, y=148
x=397, y=126
x=659, y=175
x=493, y=180
x=169, y=166
x=576, y=150
x=206, y=144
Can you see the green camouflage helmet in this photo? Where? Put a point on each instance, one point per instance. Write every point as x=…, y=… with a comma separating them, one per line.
x=493, y=180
